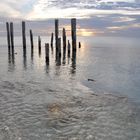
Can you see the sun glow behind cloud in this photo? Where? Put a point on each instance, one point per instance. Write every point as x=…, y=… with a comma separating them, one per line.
x=88, y=32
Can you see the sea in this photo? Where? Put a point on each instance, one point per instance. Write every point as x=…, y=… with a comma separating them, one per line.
x=93, y=96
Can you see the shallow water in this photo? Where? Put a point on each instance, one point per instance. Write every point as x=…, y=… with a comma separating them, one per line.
x=57, y=102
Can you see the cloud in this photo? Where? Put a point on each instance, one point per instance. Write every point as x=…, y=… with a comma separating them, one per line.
x=124, y=27
x=43, y=9
x=15, y=8
x=95, y=17
x=123, y=19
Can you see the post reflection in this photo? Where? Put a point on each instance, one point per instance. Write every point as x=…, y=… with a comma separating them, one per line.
x=32, y=55
x=11, y=61
x=47, y=68
x=25, y=61
x=58, y=60
x=64, y=56
x=73, y=66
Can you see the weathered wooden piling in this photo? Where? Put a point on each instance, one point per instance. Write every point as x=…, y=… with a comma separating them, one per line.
x=12, y=37
x=8, y=36
x=24, y=36
x=79, y=44
x=52, y=41
x=47, y=53
x=69, y=47
x=39, y=45
x=64, y=40
x=31, y=40
x=59, y=47
x=56, y=33
x=73, y=33
x=64, y=45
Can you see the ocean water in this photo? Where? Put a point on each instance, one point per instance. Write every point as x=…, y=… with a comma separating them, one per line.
x=58, y=102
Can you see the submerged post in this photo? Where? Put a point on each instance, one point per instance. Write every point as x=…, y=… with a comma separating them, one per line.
x=52, y=41
x=47, y=52
x=12, y=36
x=73, y=33
x=79, y=44
x=56, y=33
x=24, y=36
x=39, y=45
x=69, y=48
x=64, y=40
x=31, y=40
x=59, y=47
x=8, y=36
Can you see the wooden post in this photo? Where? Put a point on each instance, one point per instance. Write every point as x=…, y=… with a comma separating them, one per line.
x=8, y=36
x=59, y=47
x=52, y=41
x=24, y=36
x=47, y=52
x=79, y=44
x=31, y=40
x=64, y=45
x=39, y=45
x=69, y=48
x=73, y=33
x=64, y=40
x=12, y=36
x=56, y=33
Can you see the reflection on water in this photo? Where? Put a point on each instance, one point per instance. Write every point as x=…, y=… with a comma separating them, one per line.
x=64, y=56
x=47, y=67
x=73, y=63
x=32, y=54
x=108, y=64
x=25, y=61
x=11, y=61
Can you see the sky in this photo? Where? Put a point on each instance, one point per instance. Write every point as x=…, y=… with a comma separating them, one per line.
x=95, y=17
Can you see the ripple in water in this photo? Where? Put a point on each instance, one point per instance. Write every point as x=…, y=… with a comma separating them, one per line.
x=40, y=113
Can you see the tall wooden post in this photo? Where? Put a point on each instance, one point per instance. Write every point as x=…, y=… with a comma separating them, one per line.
x=56, y=33
x=69, y=48
x=79, y=44
x=24, y=36
x=39, y=45
x=73, y=33
x=64, y=40
x=31, y=40
x=8, y=36
x=47, y=52
x=59, y=47
x=12, y=36
x=52, y=41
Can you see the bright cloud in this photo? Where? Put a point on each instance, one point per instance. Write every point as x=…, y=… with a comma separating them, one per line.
x=101, y=16
x=42, y=9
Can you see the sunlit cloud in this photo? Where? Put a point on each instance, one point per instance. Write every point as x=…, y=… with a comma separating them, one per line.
x=81, y=9
x=44, y=9
x=113, y=28
x=123, y=19
x=75, y=12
